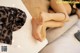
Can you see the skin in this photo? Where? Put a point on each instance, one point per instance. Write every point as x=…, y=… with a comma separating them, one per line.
x=41, y=33
x=78, y=12
x=36, y=22
x=59, y=8
x=59, y=17
x=67, y=7
x=40, y=21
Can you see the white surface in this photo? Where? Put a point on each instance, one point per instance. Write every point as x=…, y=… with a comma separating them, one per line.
x=78, y=24
x=23, y=42
x=65, y=44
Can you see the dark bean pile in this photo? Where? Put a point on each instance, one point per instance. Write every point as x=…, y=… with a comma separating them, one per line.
x=11, y=19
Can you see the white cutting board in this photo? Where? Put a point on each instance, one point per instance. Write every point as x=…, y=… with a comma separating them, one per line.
x=23, y=42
